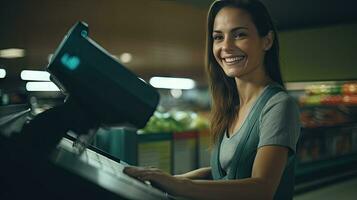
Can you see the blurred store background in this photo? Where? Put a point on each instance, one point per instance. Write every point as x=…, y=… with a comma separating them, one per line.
x=163, y=39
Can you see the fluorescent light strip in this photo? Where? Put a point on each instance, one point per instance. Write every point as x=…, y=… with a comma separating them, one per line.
x=33, y=75
x=172, y=83
x=12, y=53
x=41, y=86
x=2, y=73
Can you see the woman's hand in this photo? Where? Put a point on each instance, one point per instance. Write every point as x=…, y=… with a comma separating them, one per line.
x=172, y=185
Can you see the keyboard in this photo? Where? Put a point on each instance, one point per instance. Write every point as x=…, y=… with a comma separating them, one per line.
x=104, y=172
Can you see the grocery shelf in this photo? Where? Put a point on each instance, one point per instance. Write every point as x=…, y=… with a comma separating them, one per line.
x=309, y=106
x=343, y=188
x=319, y=173
x=316, y=166
x=307, y=130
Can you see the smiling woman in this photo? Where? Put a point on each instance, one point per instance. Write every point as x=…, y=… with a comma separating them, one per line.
x=237, y=46
x=255, y=123
x=245, y=33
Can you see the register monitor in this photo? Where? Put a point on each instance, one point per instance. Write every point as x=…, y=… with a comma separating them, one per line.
x=88, y=73
x=100, y=92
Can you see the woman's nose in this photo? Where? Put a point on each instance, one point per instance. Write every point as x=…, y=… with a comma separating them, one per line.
x=228, y=44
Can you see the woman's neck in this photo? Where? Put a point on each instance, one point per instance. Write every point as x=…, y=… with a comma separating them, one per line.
x=249, y=90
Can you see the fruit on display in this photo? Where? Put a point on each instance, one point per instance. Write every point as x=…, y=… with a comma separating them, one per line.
x=328, y=115
x=349, y=88
x=328, y=104
x=321, y=89
x=313, y=100
x=349, y=99
x=332, y=100
x=175, y=121
x=330, y=94
x=335, y=89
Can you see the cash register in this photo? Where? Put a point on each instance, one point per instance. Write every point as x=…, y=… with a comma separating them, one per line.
x=49, y=155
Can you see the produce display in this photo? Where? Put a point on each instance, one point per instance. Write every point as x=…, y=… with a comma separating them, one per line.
x=175, y=121
x=328, y=114
x=330, y=94
x=328, y=104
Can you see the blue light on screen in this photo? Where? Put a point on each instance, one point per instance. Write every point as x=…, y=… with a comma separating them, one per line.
x=71, y=62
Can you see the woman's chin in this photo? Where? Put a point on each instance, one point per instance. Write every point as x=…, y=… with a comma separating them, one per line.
x=233, y=74
x=233, y=71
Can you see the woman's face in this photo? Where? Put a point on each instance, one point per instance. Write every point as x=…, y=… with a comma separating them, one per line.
x=237, y=46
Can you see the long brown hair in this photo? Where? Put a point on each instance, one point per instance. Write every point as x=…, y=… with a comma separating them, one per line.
x=225, y=98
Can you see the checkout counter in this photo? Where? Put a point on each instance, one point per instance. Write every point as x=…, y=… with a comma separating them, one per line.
x=50, y=156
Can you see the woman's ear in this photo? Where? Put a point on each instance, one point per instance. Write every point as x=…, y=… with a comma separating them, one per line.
x=268, y=40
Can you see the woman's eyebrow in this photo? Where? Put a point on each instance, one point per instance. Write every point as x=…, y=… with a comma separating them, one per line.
x=239, y=28
x=233, y=29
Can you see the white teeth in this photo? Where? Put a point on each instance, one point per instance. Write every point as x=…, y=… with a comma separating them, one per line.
x=234, y=59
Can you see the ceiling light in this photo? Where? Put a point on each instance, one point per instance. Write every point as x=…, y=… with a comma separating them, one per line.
x=41, y=86
x=176, y=93
x=172, y=83
x=126, y=57
x=33, y=75
x=2, y=73
x=12, y=53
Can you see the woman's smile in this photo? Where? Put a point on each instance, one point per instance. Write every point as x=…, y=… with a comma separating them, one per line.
x=233, y=60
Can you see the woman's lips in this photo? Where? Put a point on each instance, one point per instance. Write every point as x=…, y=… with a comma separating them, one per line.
x=233, y=60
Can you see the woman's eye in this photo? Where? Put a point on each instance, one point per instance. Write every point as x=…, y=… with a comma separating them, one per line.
x=239, y=35
x=217, y=37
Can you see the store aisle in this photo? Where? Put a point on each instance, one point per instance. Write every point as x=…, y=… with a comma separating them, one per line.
x=345, y=190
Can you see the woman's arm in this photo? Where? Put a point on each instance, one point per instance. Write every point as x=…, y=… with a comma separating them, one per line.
x=267, y=170
x=200, y=174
